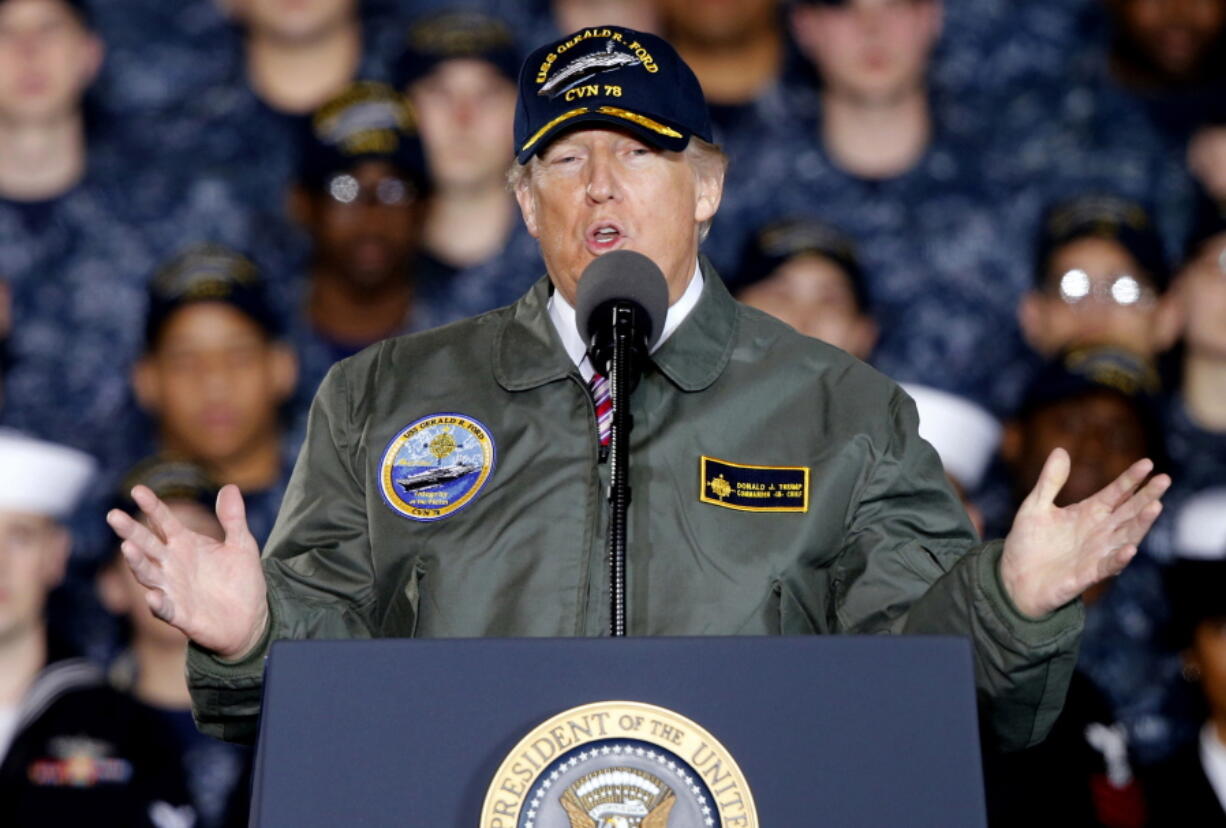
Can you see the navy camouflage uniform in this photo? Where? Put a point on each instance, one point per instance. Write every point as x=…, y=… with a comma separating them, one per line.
x=939, y=265
x=78, y=266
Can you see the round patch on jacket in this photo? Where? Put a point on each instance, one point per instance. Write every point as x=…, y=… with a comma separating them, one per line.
x=436, y=466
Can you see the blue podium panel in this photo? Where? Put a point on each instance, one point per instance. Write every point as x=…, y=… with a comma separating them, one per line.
x=829, y=732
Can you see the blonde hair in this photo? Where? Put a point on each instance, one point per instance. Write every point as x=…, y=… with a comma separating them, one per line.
x=707, y=160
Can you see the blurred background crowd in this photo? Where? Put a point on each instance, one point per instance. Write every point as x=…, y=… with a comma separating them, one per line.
x=1017, y=209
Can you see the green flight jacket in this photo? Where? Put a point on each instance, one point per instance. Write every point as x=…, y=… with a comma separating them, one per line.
x=884, y=546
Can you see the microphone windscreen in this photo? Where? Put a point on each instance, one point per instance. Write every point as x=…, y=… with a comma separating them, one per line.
x=622, y=275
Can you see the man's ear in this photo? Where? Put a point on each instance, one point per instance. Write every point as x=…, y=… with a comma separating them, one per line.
x=284, y=363
x=863, y=336
x=145, y=385
x=110, y=587
x=527, y=206
x=298, y=205
x=804, y=21
x=709, y=192
x=934, y=20
x=1030, y=319
x=92, y=54
x=54, y=560
x=1169, y=319
x=1011, y=442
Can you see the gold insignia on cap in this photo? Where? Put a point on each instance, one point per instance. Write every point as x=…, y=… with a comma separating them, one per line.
x=565, y=116
x=641, y=120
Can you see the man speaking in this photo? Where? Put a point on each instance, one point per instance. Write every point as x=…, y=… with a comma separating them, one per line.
x=452, y=484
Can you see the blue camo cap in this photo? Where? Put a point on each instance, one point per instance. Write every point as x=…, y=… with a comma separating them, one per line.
x=368, y=121
x=612, y=76
x=456, y=35
x=208, y=272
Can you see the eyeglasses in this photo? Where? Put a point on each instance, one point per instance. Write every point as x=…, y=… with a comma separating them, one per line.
x=1123, y=289
x=345, y=189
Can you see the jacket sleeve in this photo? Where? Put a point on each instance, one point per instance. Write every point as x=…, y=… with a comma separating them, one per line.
x=912, y=564
x=317, y=564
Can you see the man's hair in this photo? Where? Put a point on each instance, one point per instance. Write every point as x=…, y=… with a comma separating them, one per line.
x=706, y=159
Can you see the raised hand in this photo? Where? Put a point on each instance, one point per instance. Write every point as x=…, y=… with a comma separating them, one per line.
x=1052, y=555
x=214, y=592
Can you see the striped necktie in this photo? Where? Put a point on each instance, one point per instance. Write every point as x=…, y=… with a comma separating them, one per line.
x=599, y=386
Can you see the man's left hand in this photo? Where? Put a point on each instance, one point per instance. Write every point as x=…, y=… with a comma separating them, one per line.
x=1052, y=554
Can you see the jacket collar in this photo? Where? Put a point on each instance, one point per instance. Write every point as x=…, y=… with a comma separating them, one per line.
x=528, y=352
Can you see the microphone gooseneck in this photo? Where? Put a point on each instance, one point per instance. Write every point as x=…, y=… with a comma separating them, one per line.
x=620, y=309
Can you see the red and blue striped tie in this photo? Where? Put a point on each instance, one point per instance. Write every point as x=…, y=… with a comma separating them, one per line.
x=599, y=386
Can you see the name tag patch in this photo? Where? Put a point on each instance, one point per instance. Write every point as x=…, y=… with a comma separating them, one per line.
x=753, y=488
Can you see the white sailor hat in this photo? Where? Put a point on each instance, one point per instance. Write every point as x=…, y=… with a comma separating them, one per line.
x=1200, y=526
x=40, y=477
x=964, y=434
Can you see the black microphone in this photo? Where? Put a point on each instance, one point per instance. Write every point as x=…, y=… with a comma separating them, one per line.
x=622, y=293
x=622, y=303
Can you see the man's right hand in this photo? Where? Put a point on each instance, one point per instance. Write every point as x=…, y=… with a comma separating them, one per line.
x=214, y=592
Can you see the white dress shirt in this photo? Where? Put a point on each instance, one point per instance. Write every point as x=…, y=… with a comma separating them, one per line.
x=563, y=317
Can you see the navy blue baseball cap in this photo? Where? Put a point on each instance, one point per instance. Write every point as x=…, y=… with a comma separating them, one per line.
x=457, y=34
x=170, y=478
x=612, y=76
x=1104, y=216
x=208, y=273
x=368, y=121
x=1081, y=371
x=784, y=239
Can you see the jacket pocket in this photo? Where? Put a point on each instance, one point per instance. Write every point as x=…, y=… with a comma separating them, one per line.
x=779, y=613
x=404, y=615
x=794, y=619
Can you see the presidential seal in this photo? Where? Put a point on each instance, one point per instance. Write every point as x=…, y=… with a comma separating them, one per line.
x=435, y=466
x=619, y=764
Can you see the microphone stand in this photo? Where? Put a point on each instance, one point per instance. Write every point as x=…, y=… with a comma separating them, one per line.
x=620, y=383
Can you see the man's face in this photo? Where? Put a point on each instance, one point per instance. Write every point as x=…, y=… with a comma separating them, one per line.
x=215, y=382
x=294, y=21
x=466, y=112
x=367, y=226
x=573, y=15
x=872, y=51
x=33, y=551
x=814, y=295
x=718, y=22
x=47, y=60
x=1102, y=433
x=1208, y=655
x=1200, y=293
x=1054, y=319
x=595, y=190
x=1174, y=36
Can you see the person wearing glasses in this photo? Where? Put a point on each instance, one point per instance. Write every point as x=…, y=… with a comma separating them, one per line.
x=360, y=196
x=1100, y=279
